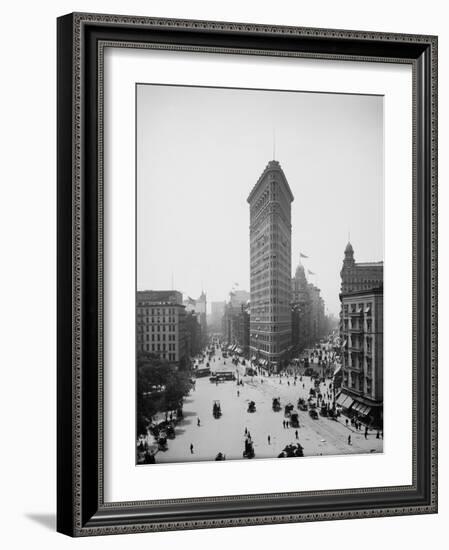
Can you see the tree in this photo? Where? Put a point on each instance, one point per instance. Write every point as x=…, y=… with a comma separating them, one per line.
x=161, y=387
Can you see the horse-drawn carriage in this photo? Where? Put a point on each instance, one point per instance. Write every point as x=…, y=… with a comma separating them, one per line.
x=292, y=450
x=294, y=420
x=220, y=456
x=251, y=407
x=302, y=405
x=276, y=404
x=288, y=409
x=249, y=449
x=216, y=409
x=162, y=443
x=313, y=414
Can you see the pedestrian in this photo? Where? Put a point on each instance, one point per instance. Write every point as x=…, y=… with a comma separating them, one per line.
x=288, y=382
x=191, y=448
x=238, y=393
x=286, y=423
x=283, y=423
x=377, y=434
x=349, y=440
x=246, y=431
x=198, y=422
x=269, y=440
x=366, y=432
x=296, y=434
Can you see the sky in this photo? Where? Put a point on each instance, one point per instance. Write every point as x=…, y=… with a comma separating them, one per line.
x=201, y=150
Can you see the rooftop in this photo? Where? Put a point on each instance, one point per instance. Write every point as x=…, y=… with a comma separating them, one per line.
x=272, y=166
x=369, y=264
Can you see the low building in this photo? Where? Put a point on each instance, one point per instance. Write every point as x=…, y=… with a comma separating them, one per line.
x=161, y=324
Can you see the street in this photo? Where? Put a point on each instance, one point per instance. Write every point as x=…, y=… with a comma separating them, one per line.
x=227, y=434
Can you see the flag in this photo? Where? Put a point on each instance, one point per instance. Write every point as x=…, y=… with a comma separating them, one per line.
x=301, y=255
x=191, y=301
x=310, y=272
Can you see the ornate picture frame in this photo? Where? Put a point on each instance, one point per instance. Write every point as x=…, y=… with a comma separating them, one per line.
x=81, y=507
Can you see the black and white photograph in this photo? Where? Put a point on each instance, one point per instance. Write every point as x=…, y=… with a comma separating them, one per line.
x=260, y=257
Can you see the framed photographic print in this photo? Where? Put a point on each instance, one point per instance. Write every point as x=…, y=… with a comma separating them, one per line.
x=247, y=274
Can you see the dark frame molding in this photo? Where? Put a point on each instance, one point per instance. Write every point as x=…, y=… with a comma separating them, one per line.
x=81, y=510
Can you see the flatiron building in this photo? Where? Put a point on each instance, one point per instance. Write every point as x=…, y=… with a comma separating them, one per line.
x=270, y=266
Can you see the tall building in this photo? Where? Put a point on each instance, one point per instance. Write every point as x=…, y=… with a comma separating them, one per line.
x=236, y=321
x=270, y=266
x=362, y=354
x=361, y=333
x=193, y=333
x=317, y=316
x=216, y=316
x=308, y=316
x=201, y=309
x=301, y=310
x=236, y=327
x=239, y=297
x=199, y=306
x=161, y=324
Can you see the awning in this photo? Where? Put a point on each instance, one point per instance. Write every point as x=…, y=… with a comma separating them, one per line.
x=361, y=408
x=344, y=400
x=337, y=370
